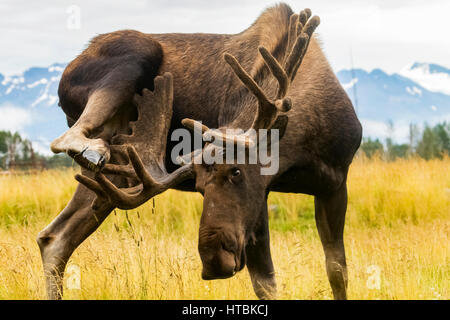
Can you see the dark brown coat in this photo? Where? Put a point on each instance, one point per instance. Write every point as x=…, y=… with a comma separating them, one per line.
x=322, y=135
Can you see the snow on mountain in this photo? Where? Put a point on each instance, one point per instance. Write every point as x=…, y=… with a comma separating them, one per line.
x=393, y=97
x=420, y=93
x=430, y=76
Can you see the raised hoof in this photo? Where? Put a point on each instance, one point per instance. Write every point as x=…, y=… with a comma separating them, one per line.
x=90, y=159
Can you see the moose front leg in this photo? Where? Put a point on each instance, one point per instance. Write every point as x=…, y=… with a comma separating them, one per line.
x=259, y=261
x=330, y=219
x=69, y=229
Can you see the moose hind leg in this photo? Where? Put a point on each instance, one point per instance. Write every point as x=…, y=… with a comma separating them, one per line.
x=259, y=262
x=111, y=94
x=330, y=218
x=69, y=229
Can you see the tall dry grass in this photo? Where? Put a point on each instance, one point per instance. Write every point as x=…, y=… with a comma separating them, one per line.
x=397, y=220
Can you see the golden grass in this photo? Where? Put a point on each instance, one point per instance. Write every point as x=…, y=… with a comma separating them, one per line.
x=397, y=220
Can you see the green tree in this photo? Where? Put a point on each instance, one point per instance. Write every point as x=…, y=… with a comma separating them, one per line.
x=18, y=153
x=442, y=132
x=398, y=151
x=13, y=143
x=60, y=160
x=3, y=145
x=429, y=146
x=371, y=147
x=414, y=135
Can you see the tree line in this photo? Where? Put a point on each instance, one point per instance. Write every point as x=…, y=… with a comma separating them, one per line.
x=17, y=153
x=433, y=142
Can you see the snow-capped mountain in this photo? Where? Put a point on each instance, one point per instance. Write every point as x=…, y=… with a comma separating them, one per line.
x=382, y=97
x=419, y=93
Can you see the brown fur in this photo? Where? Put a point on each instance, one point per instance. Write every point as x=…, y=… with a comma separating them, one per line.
x=322, y=134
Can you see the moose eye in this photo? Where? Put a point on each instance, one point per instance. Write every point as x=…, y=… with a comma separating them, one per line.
x=235, y=172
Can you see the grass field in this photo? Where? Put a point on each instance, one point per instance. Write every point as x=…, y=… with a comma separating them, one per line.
x=398, y=226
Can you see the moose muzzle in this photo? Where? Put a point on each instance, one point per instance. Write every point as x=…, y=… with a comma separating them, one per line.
x=221, y=252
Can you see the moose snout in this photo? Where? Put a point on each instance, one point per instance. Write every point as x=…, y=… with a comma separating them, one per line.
x=221, y=255
x=220, y=265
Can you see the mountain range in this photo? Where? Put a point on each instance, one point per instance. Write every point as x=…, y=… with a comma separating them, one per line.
x=419, y=93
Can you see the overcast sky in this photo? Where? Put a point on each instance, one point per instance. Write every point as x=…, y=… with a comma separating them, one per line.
x=380, y=33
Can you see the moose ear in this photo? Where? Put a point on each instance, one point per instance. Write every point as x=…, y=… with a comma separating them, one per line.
x=281, y=124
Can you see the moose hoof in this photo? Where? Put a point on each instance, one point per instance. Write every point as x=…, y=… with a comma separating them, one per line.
x=90, y=159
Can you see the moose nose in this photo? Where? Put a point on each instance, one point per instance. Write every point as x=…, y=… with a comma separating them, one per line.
x=220, y=265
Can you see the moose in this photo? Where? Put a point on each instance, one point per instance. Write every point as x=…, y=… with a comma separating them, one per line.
x=127, y=92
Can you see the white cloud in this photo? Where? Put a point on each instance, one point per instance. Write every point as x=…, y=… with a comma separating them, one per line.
x=437, y=82
x=400, y=131
x=372, y=128
x=13, y=118
x=16, y=119
x=378, y=129
x=42, y=146
x=385, y=34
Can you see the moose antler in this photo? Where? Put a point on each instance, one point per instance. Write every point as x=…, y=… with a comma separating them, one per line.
x=149, y=135
x=301, y=28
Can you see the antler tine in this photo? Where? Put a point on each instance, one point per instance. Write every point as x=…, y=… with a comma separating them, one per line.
x=216, y=134
x=303, y=16
x=308, y=13
x=91, y=184
x=177, y=176
x=311, y=26
x=277, y=70
x=119, y=170
x=295, y=58
x=294, y=25
x=192, y=124
x=296, y=55
x=246, y=78
x=308, y=29
x=143, y=175
x=121, y=199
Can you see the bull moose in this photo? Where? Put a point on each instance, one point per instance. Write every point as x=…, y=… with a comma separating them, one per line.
x=128, y=91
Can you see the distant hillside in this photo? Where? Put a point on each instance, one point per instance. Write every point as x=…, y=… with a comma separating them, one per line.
x=382, y=97
x=420, y=93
